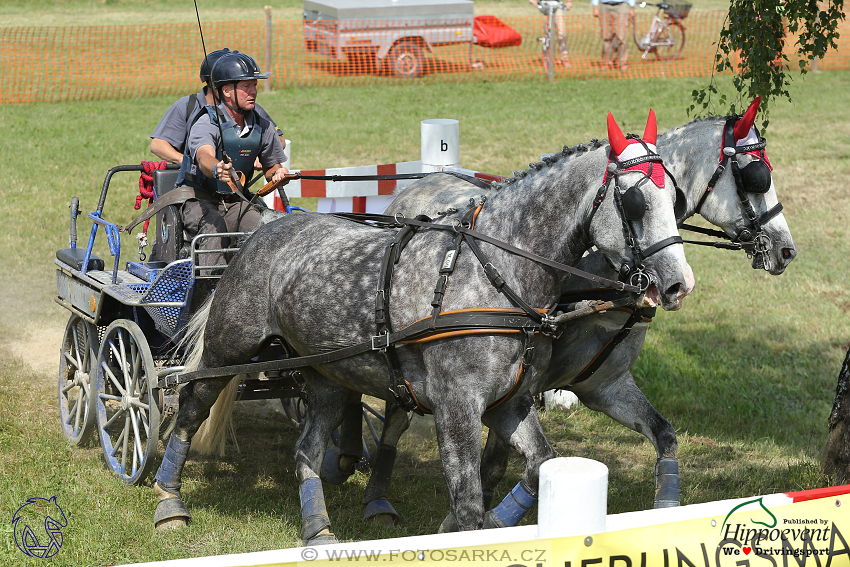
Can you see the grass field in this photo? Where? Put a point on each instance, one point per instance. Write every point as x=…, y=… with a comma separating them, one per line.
x=746, y=372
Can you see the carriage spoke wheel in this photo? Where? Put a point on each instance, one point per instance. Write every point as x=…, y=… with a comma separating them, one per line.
x=126, y=408
x=76, y=362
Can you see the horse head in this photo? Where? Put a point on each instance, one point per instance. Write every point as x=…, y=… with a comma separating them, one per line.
x=734, y=188
x=636, y=227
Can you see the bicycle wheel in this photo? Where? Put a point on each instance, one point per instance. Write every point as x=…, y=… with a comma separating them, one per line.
x=642, y=41
x=669, y=42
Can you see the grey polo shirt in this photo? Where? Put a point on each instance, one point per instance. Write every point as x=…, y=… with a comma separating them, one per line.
x=204, y=132
x=172, y=126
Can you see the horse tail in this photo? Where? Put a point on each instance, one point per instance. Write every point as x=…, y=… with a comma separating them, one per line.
x=193, y=339
x=209, y=439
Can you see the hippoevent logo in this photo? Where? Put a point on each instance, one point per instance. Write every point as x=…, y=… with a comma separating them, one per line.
x=38, y=527
x=765, y=537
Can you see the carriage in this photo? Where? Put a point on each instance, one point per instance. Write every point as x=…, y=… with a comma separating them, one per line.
x=124, y=331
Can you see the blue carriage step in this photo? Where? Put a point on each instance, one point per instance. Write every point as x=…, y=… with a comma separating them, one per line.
x=74, y=257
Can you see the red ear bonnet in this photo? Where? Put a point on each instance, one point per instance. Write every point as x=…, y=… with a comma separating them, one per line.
x=650, y=133
x=742, y=127
x=615, y=136
x=626, y=149
x=746, y=135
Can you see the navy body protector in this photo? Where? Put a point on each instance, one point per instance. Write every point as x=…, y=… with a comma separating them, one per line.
x=241, y=150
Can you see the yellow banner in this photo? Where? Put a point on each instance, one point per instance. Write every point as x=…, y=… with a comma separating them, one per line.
x=807, y=534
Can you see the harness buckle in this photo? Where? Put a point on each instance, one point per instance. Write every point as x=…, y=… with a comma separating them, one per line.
x=381, y=347
x=549, y=327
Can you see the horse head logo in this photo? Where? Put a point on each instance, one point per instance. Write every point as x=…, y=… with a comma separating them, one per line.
x=38, y=527
x=771, y=524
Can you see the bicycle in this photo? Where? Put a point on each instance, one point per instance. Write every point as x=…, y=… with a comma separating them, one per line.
x=665, y=38
x=547, y=8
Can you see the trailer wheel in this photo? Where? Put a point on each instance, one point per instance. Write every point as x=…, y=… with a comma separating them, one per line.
x=406, y=60
x=126, y=401
x=76, y=366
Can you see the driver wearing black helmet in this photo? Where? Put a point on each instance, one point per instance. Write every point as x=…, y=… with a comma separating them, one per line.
x=169, y=137
x=233, y=129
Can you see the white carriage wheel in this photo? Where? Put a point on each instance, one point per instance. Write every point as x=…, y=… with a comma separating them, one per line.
x=76, y=363
x=126, y=402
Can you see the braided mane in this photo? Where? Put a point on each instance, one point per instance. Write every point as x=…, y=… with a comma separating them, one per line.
x=548, y=160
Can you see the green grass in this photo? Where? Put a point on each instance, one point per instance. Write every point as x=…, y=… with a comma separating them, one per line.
x=745, y=372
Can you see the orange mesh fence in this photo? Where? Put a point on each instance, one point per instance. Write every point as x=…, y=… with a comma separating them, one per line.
x=51, y=64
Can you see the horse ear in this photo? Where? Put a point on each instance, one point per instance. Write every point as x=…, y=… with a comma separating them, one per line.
x=615, y=136
x=742, y=127
x=650, y=133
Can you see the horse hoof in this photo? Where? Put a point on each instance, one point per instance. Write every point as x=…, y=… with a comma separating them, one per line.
x=324, y=538
x=491, y=521
x=174, y=524
x=381, y=512
x=171, y=514
x=330, y=471
x=448, y=525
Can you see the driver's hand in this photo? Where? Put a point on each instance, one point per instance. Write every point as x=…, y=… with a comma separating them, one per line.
x=280, y=174
x=225, y=171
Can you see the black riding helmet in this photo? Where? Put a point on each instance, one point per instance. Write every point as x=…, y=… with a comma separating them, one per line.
x=209, y=61
x=231, y=68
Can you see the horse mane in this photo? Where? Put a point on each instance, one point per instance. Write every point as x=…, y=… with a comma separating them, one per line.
x=548, y=160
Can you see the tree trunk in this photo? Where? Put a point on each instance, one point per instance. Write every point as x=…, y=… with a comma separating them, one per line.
x=836, y=454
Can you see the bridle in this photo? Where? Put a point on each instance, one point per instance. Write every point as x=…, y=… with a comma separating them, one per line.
x=631, y=206
x=752, y=178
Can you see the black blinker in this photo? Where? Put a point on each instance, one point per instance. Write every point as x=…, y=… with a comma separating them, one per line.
x=756, y=177
x=634, y=204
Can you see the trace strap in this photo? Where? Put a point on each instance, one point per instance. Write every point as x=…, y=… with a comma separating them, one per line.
x=508, y=320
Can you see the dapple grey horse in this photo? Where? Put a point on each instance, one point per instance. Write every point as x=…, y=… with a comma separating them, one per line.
x=311, y=280
x=593, y=356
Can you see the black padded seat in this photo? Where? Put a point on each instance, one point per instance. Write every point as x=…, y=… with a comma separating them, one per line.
x=164, y=180
x=74, y=257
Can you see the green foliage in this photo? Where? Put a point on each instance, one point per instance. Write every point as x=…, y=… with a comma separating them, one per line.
x=754, y=45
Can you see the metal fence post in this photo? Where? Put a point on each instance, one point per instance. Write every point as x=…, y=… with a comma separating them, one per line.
x=268, y=59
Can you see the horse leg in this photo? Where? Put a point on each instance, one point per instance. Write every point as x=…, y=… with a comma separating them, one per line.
x=459, y=440
x=339, y=461
x=494, y=463
x=378, y=508
x=517, y=423
x=326, y=403
x=196, y=399
x=623, y=401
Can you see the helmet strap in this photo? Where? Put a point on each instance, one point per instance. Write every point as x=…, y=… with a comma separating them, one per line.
x=238, y=109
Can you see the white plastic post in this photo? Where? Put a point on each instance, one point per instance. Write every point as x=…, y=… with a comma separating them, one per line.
x=573, y=497
x=287, y=163
x=440, y=144
x=287, y=151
